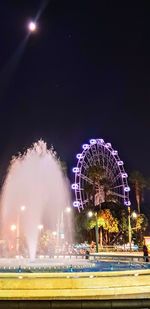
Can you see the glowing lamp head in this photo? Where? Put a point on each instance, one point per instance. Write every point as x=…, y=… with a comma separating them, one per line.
x=13, y=227
x=134, y=215
x=54, y=233
x=90, y=214
x=23, y=208
x=68, y=209
x=32, y=26
x=40, y=227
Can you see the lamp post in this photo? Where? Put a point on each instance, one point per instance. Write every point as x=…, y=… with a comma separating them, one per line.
x=129, y=227
x=133, y=215
x=61, y=228
x=90, y=214
x=21, y=209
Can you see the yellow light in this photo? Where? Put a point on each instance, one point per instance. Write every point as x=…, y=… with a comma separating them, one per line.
x=134, y=215
x=90, y=214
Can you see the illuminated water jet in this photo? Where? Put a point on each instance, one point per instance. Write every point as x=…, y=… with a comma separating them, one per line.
x=35, y=194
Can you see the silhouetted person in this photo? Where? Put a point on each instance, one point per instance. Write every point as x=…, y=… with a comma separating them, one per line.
x=145, y=253
x=87, y=254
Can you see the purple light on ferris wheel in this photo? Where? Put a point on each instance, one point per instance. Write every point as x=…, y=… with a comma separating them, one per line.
x=126, y=189
x=76, y=170
x=74, y=186
x=108, y=145
x=76, y=203
x=101, y=141
x=79, y=156
x=85, y=146
x=120, y=163
x=127, y=203
x=92, y=141
x=124, y=175
x=114, y=152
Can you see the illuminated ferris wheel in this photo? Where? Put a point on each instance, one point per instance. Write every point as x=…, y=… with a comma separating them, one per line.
x=101, y=156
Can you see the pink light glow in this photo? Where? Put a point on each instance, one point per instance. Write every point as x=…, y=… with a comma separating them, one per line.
x=36, y=186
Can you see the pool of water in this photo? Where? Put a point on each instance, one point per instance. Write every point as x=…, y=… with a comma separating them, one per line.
x=60, y=266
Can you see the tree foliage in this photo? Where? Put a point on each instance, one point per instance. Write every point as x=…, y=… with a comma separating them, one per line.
x=139, y=183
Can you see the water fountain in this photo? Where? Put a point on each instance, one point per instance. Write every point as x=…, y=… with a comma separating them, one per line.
x=35, y=194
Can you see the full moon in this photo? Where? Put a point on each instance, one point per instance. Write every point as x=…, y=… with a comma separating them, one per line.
x=32, y=26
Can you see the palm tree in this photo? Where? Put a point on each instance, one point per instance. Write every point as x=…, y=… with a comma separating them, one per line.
x=139, y=183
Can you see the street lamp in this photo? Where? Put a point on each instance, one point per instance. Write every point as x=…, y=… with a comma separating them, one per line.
x=90, y=215
x=54, y=233
x=13, y=227
x=130, y=215
x=23, y=208
x=61, y=225
x=40, y=227
x=68, y=209
x=20, y=210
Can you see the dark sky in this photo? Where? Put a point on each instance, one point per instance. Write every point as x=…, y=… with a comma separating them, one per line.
x=84, y=74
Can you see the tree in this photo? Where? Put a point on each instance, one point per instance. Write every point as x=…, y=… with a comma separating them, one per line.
x=105, y=221
x=139, y=226
x=139, y=183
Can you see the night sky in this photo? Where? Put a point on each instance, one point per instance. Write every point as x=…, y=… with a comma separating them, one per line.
x=84, y=74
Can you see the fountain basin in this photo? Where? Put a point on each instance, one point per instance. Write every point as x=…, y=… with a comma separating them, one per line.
x=75, y=283
x=95, y=285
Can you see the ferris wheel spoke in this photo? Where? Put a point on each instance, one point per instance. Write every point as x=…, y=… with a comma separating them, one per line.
x=117, y=176
x=119, y=195
x=120, y=186
x=86, y=178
